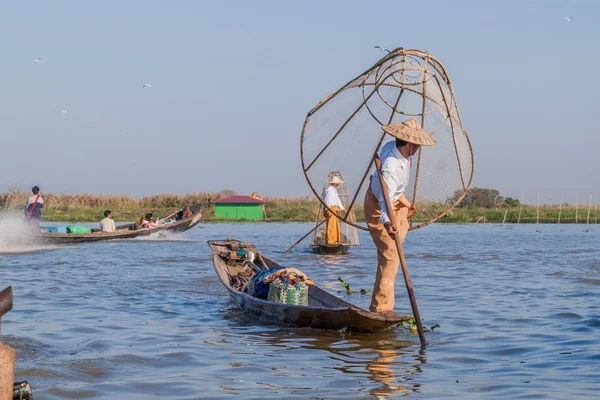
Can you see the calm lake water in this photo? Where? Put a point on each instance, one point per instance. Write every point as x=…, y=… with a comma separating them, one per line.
x=518, y=311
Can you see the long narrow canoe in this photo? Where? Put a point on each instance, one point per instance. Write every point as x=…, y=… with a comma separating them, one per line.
x=122, y=232
x=324, y=310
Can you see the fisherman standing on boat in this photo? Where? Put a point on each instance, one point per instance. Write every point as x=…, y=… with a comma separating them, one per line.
x=33, y=208
x=332, y=200
x=384, y=225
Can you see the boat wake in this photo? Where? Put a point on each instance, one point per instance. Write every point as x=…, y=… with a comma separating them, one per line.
x=16, y=236
x=163, y=236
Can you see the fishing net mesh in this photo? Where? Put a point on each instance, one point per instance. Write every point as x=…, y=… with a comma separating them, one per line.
x=348, y=232
x=343, y=132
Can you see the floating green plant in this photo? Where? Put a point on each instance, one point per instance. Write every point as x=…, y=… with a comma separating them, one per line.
x=345, y=286
x=412, y=327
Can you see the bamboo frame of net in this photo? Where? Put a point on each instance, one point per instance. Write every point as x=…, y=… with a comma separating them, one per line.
x=433, y=73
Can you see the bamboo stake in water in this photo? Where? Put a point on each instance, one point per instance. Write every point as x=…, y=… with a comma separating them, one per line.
x=577, y=208
x=560, y=207
x=521, y=208
x=589, y=209
x=537, y=219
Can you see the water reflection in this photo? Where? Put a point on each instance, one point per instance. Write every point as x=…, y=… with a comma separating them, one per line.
x=332, y=259
x=382, y=372
x=390, y=363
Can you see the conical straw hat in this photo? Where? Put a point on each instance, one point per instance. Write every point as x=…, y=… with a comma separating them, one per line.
x=336, y=179
x=410, y=131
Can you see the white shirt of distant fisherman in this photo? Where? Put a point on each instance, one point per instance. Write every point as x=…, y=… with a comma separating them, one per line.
x=31, y=200
x=107, y=225
x=331, y=198
x=396, y=174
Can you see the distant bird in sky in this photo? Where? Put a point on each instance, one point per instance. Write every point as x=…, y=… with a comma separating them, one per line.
x=383, y=49
x=147, y=85
x=37, y=59
x=569, y=19
x=63, y=111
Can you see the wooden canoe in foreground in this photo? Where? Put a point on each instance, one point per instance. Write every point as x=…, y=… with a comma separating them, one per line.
x=122, y=232
x=324, y=310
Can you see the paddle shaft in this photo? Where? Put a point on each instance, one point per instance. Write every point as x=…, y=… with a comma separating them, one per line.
x=409, y=289
x=167, y=217
x=304, y=237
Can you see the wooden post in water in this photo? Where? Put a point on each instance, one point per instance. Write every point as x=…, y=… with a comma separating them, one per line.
x=7, y=354
x=560, y=207
x=521, y=207
x=577, y=208
x=589, y=209
x=537, y=218
x=409, y=289
x=504, y=219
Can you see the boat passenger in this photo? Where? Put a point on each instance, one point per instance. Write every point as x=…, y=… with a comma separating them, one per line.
x=147, y=222
x=385, y=224
x=33, y=208
x=107, y=224
x=332, y=200
x=184, y=213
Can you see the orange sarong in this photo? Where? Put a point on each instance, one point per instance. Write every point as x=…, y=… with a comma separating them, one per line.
x=334, y=234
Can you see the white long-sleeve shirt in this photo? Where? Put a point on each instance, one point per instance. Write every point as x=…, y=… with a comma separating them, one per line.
x=331, y=198
x=395, y=170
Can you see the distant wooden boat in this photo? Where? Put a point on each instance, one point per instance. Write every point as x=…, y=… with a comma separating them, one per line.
x=324, y=310
x=338, y=248
x=122, y=232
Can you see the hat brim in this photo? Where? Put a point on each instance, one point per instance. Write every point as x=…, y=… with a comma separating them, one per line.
x=410, y=133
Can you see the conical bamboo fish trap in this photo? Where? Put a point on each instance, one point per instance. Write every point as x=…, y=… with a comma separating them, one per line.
x=343, y=133
x=349, y=232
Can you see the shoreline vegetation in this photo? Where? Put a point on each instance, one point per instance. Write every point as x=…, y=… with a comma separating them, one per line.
x=90, y=208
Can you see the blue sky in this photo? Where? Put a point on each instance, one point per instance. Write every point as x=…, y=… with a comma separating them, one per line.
x=233, y=80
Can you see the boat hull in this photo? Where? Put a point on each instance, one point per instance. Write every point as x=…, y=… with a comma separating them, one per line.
x=123, y=233
x=330, y=249
x=324, y=311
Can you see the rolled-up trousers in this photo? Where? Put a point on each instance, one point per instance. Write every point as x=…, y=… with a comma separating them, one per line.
x=387, y=254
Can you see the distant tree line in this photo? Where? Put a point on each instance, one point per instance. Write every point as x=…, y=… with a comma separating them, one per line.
x=483, y=198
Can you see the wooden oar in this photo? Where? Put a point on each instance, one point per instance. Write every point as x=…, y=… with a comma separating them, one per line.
x=409, y=289
x=304, y=237
x=160, y=221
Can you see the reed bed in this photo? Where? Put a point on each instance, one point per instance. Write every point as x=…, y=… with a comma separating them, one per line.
x=548, y=215
x=89, y=207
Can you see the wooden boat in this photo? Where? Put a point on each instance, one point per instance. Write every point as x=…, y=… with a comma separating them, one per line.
x=324, y=310
x=122, y=232
x=338, y=248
